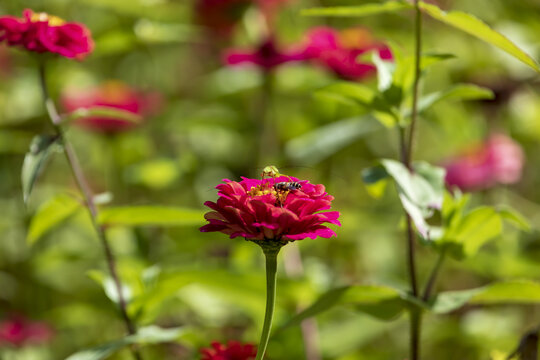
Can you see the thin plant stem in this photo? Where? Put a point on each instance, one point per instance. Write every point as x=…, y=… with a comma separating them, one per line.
x=271, y=282
x=416, y=330
x=82, y=183
x=433, y=276
x=416, y=85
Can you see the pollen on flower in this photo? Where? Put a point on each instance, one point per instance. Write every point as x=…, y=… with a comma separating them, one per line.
x=50, y=19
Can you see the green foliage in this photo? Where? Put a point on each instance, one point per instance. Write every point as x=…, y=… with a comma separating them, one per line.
x=150, y=216
x=421, y=192
x=102, y=111
x=145, y=336
x=41, y=148
x=51, y=214
x=359, y=11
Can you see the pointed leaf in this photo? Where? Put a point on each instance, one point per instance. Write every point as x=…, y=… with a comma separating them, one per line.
x=348, y=93
x=358, y=11
x=456, y=92
x=41, y=149
x=477, y=28
x=151, y=216
x=507, y=213
x=102, y=111
x=51, y=214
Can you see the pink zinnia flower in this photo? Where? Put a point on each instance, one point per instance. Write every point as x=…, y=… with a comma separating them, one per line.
x=261, y=210
x=112, y=94
x=40, y=32
x=267, y=56
x=497, y=161
x=232, y=351
x=339, y=51
x=18, y=331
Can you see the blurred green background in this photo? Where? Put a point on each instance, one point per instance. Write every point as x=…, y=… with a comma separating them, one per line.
x=204, y=132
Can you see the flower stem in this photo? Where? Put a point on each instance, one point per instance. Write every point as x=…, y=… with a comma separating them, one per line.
x=270, y=253
x=415, y=314
x=82, y=183
x=433, y=277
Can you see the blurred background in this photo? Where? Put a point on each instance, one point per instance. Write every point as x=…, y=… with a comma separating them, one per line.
x=206, y=119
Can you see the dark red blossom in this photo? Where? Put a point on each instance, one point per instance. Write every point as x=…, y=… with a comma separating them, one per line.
x=339, y=51
x=255, y=210
x=497, y=161
x=19, y=331
x=266, y=56
x=113, y=94
x=232, y=351
x=40, y=32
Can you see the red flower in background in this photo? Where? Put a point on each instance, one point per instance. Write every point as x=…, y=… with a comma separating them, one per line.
x=18, y=331
x=339, y=51
x=266, y=56
x=232, y=351
x=40, y=32
x=497, y=161
x=113, y=94
x=260, y=210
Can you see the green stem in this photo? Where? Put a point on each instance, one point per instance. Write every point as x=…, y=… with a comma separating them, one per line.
x=82, y=183
x=416, y=330
x=270, y=253
x=433, y=277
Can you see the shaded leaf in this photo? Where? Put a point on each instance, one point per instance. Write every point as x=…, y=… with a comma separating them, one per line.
x=358, y=11
x=477, y=28
x=348, y=93
x=151, y=215
x=109, y=286
x=145, y=335
x=51, y=214
x=514, y=217
x=317, y=145
x=41, y=149
x=456, y=92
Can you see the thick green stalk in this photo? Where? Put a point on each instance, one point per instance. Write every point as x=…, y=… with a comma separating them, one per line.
x=271, y=249
x=82, y=183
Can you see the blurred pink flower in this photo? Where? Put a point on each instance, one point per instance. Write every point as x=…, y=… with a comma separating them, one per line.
x=339, y=51
x=260, y=210
x=234, y=350
x=267, y=56
x=113, y=94
x=40, y=32
x=497, y=161
x=19, y=331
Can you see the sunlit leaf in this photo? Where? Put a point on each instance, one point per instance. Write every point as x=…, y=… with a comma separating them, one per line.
x=41, y=148
x=358, y=11
x=102, y=111
x=151, y=216
x=145, y=335
x=508, y=292
x=348, y=93
x=50, y=215
x=477, y=28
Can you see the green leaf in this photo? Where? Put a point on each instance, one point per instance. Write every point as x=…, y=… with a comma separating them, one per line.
x=385, y=72
x=109, y=286
x=381, y=302
x=358, y=11
x=102, y=111
x=508, y=292
x=348, y=93
x=50, y=215
x=456, y=92
x=507, y=213
x=473, y=230
x=41, y=149
x=145, y=335
x=150, y=216
x=319, y=144
x=477, y=28
x=14, y=142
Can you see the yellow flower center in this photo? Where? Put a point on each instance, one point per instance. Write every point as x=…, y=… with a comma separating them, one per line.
x=355, y=38
x=261, y=190
x=51, y=19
